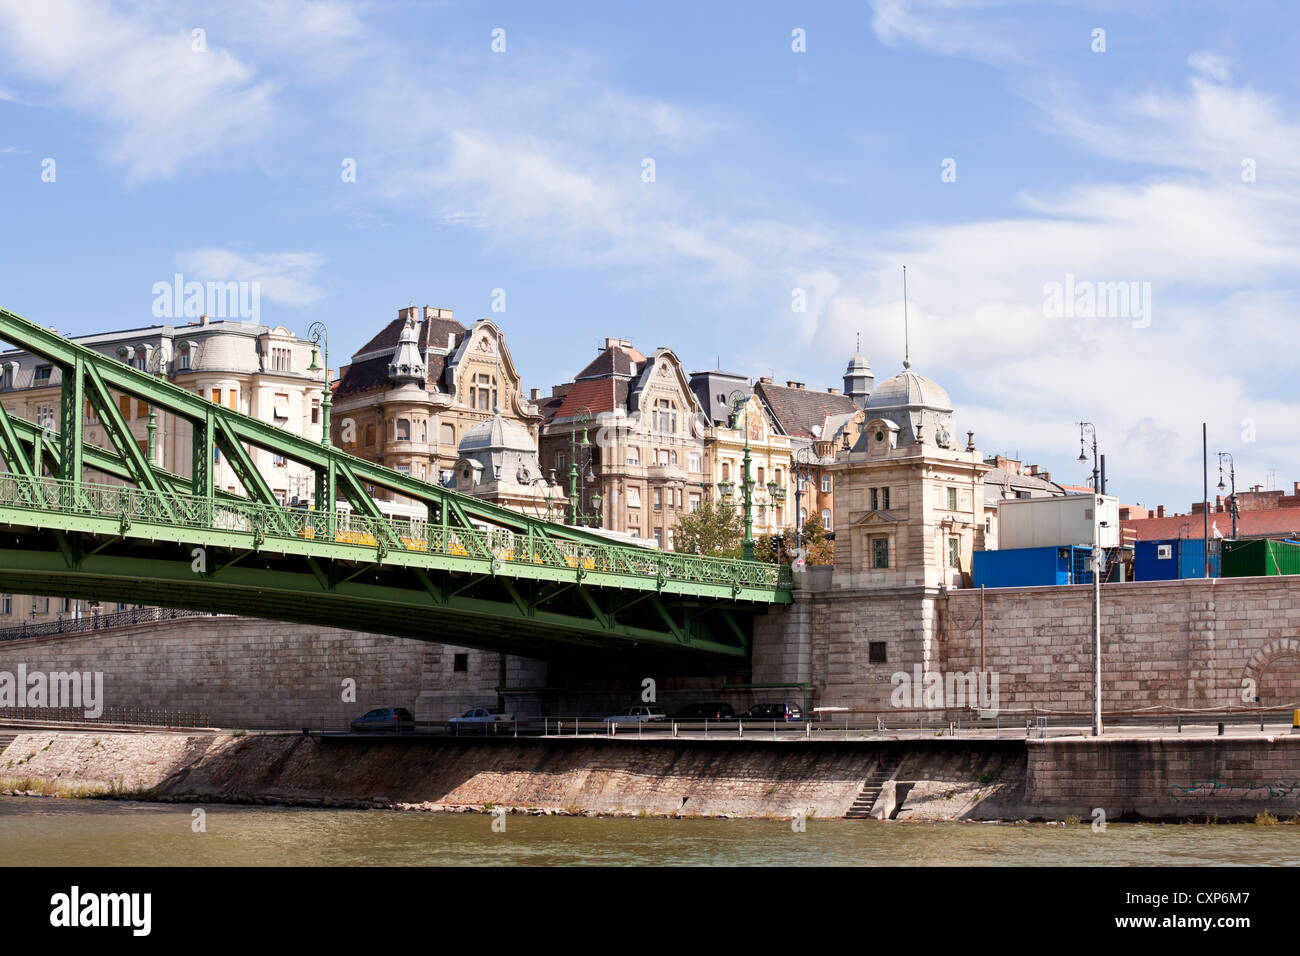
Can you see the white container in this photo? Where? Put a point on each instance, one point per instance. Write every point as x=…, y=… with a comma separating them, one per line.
x=1056, y=522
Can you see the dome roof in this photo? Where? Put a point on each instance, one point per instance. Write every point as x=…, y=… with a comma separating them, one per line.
x=907, y=389
x=497, y=434
x=857, y=364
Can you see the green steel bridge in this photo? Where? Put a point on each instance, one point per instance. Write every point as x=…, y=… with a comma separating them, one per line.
x=104, y=522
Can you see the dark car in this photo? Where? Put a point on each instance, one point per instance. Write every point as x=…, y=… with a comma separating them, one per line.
x=711, y=710
x=785, y=711
x=397, y=720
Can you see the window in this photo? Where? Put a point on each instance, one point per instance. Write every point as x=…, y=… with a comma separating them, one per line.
x=7, y=376
x=315, y=412
x=91, y=418
x=693, y=461
x=6, y=603
x=634, y=497
x=483, y=393
x=45, y=416
x=216, y=396
x=875, y=499
x=560, y=462
x=185, y=358
x=42, y=376
x=665, y=416
x=954, y=552
x=460, y=663
x=139, y=359
x=726, y=471
x=884, y=498
x=278, y=461
x=672, y=458
x=876, y=652
x=952, y=498
x=826, y=519
x=826, y=484
x=760, y=475
x=124, y=405
x=695, y=503
x=403, y=427
x=659, y=537
x=880, y=552
x=633, y=455
x=988, y=525
x=281, y=360
x=658, y=499
x=141, y=409
x=669, y=534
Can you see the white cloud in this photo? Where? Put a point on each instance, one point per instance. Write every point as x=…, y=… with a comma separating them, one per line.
x=286, y=278
x=162, y=104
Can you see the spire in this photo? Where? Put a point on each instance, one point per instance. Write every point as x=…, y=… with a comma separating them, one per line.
x=907, y=350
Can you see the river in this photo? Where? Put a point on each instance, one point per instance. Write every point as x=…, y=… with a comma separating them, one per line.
x=56, y=832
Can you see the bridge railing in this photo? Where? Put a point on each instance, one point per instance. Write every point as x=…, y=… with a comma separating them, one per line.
x=130, y=504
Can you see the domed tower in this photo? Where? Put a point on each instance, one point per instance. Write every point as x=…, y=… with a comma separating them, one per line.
x=407, y=366
x=919, y=406
x=858, y=378
x=498, y=462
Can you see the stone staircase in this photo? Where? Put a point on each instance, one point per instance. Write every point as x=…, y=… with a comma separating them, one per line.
x=884, y=770
x=6, y=740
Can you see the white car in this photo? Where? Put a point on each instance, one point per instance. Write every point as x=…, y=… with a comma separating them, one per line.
x=477, y=717
x=636, y=713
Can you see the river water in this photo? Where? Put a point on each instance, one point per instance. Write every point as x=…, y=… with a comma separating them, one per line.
x=56, y=832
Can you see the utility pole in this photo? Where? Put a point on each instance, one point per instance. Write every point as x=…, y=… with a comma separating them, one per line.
x=1098, y=568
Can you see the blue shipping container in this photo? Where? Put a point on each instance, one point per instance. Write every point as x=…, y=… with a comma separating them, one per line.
x=1173, y=558
x=1029, y=567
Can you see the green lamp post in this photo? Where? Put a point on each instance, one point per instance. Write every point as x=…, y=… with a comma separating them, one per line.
x=739, y=399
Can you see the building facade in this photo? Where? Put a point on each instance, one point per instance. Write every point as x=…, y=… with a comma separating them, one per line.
x=644, y=460
x=410, y=394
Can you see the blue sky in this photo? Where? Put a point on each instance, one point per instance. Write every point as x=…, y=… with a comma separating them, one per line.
x=775, y=171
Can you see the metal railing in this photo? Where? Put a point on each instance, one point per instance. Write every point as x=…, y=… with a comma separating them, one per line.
x=136, y=716
x=129, y=505
x=96, y=622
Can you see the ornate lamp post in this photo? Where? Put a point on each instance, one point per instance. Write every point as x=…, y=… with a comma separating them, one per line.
x=577, y=516
x=739, y=399
x=320, y=340
x=1098, y=486
x=157, y=366
x=802, y=466
x=1232, y=479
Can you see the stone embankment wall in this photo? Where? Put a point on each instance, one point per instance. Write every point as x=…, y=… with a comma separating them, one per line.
x=241, y=672
x=935, y=779
x=1202, y=644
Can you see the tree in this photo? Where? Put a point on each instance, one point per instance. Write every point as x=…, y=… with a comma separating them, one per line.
x=820, y=550
x=714, y=529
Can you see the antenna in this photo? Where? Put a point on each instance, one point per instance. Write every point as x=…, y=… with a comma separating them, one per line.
x=907, y=350
x=859, y=348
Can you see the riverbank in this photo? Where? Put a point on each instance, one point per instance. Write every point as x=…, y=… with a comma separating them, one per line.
x=939, y=779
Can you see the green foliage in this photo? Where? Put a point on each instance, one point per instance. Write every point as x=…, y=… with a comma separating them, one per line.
x=819, y=550
x=714, y=530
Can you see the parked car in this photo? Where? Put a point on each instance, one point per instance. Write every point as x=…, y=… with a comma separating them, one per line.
x=477, y=718
x=786, y=711
x=637, y=713
x=712, y=710
x=397, y=720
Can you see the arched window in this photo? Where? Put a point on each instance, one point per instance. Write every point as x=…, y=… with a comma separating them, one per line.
x=403, y=429
x=826, y=519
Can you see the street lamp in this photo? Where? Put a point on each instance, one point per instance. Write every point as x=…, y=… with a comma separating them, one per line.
x=1232, y=479
x=802, y=466
x=320, y=340
x=1098, y=483
x=739, y=399
x=577, y=516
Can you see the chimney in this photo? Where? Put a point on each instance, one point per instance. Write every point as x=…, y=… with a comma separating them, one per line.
x=618, y=343
x=833, y=391
x=203, y=320
x=534, y=394
x=765, y=381
x=790, y=384
x=1160, y=511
